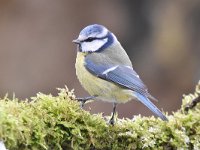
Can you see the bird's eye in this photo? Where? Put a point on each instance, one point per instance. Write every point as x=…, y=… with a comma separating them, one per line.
x=90, y=39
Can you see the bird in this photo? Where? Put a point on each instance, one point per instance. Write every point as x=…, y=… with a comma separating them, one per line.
x=106, y=72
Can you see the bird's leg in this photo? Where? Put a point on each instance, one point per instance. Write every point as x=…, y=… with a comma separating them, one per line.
x=84, y=99
x=112, y=119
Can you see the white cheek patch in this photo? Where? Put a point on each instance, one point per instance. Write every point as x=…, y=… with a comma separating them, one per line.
x=93, y=45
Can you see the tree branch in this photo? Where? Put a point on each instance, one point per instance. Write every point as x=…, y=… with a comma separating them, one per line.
x=57, y=122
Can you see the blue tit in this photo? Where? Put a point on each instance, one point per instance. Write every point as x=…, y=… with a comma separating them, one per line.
x=105, y=70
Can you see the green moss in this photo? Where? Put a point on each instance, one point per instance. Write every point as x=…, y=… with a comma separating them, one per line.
x=57, y=122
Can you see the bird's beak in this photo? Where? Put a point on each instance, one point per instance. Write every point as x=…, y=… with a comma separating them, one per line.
x=76, y=41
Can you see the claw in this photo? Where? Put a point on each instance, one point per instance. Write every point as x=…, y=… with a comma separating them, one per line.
x=84, y=99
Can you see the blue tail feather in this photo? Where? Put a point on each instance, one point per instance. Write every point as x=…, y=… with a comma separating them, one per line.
x=143, y=99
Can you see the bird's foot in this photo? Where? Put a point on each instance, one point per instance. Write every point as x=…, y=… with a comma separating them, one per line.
x=112, y=121
x=84, y=99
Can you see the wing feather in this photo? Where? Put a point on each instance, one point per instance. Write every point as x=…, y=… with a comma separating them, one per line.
x=119, y=74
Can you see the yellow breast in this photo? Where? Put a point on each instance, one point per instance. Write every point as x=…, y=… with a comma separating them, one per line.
x=105, y=90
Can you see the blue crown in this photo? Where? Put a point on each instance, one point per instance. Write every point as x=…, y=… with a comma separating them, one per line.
x=91, y=29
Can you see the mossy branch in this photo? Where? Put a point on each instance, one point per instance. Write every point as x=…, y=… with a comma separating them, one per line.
x=57, y=122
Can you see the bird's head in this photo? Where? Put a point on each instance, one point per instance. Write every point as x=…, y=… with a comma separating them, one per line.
x=95, y=38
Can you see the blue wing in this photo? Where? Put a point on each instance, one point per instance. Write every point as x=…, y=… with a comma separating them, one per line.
x=122, y=75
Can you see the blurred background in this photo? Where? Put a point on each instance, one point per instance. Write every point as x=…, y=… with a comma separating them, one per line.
x=162, y=39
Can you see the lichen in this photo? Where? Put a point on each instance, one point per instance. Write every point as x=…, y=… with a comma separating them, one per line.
x=57, y=122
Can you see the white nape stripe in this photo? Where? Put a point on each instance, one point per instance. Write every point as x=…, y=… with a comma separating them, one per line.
x=102, y=34
x=110, y=69
x=93, y=45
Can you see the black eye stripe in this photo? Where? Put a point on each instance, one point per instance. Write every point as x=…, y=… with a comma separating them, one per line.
x=90, y=39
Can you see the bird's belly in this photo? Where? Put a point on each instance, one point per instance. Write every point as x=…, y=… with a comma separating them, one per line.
x=106, y=91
